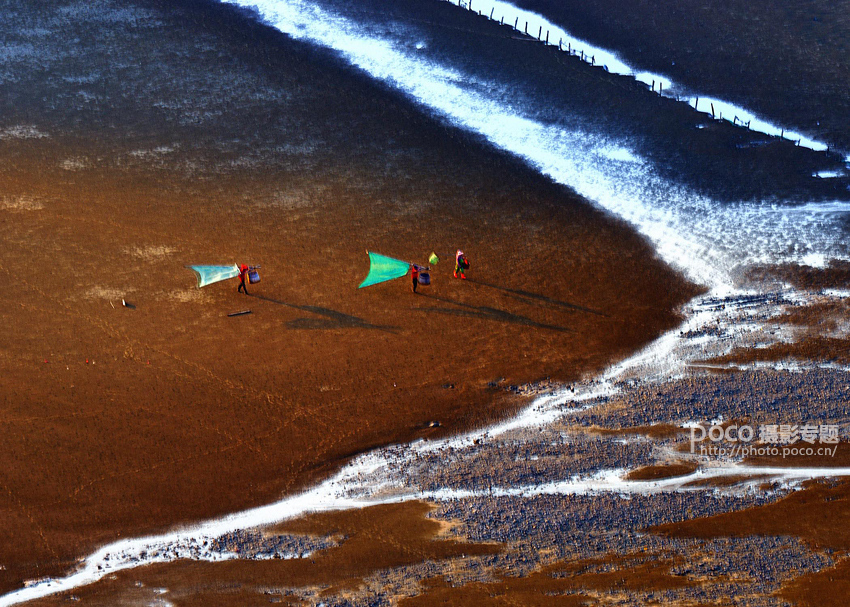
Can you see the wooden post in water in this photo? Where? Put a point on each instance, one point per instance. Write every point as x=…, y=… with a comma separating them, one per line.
x=547, y=36
x=526, y=28
x=570, y=48
x=560, y=42
x=593, y=60
x=516, y=22
x=659, y=87
x=491, y=13
x=653, y=85
x=540, y=33
x=582, y=55
x=696, y=104
x=502, y=22
x=712, y=110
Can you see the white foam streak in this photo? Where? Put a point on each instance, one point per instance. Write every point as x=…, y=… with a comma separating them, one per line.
x=613, y=481
x=190, y=543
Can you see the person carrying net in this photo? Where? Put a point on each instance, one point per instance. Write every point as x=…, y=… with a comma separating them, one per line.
x=461, y=265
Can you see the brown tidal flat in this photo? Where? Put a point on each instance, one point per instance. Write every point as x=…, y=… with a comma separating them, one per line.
x=657, y=472
x=370, y=540
x=823, y=456
x=379, y=541
x=836, y=275
x=820, y=335
x=819, y=326
x=252, y=148
x=124, y=421
x=821, y=349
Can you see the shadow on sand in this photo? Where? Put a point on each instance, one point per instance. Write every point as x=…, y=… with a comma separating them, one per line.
x=526, y=295
x=488, y=313
x=329, y=319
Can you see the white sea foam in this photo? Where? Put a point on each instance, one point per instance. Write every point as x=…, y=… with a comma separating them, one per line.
x=837, y=293
x=22, y=131
x=621, y=154
x=613, y=481
x=829, y=174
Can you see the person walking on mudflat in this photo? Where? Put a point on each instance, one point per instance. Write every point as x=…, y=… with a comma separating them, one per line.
x=461, y=265
x=414, y=273
x=243, y=277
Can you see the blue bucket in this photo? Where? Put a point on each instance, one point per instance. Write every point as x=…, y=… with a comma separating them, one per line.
x=424, y=278
x=253, y=276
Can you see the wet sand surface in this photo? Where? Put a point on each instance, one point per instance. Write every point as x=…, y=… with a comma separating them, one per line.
x=187, y=135
x=178, y=133
x=363, y=542
x=609, y=500
x=747, y=535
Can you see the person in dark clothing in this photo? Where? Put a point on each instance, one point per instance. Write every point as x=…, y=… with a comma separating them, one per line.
x=243, y=278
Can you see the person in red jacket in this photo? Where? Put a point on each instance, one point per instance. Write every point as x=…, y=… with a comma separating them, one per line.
x=243, y=278
x=414, y=273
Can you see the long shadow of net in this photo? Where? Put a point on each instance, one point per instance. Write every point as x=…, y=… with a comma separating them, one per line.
x=537, y=297
x=326, y=318
x=488, y=313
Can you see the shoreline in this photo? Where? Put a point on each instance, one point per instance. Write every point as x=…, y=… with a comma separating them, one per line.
x=263, y=149
x=173, y=412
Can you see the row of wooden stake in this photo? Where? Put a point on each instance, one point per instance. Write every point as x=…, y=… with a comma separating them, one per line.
x=592, y=61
